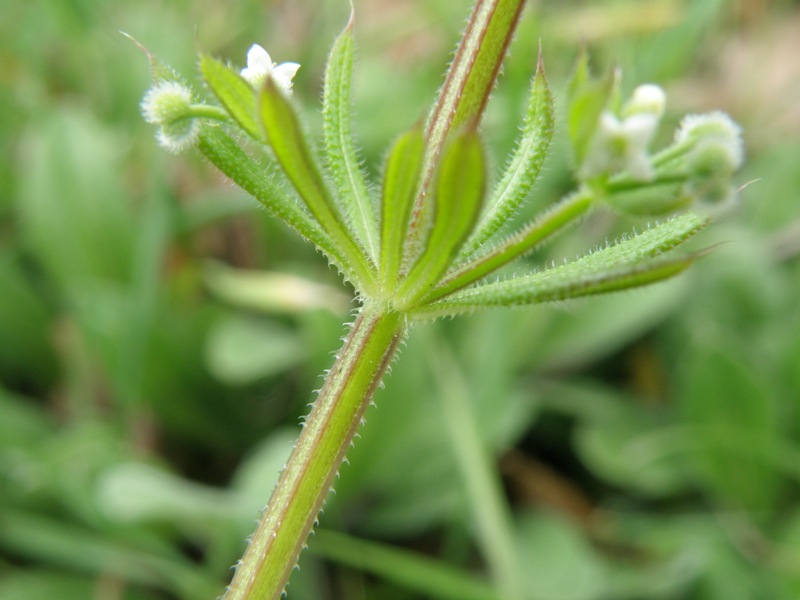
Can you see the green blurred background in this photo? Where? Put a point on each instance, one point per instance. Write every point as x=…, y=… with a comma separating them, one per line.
x=160, y=335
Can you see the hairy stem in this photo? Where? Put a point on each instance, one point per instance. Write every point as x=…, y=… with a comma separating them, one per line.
x=463, y=97
x=308, y=477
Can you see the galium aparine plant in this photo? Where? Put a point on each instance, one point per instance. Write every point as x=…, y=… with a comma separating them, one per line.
x=431, y=241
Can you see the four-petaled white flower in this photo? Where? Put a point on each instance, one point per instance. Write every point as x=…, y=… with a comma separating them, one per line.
x=260, y=65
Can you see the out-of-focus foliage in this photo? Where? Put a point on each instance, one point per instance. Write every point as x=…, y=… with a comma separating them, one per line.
x=648, y=441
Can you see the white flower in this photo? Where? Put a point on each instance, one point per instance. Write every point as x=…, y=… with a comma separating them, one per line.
x=260, y=65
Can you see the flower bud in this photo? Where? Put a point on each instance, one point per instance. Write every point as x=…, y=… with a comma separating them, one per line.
x=712, y=134
x=168, y=104
x=715, y=152
x=647, y=99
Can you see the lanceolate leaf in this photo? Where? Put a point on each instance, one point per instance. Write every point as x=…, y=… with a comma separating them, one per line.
x=399, y=190
x=566, y=213
x=339, y=146
x=288, y=143
x=225, y=154
x=524, y=166
x=554, y=285
x=235, y=94
x=456, y=203
x=627, y=264
x=587, y=100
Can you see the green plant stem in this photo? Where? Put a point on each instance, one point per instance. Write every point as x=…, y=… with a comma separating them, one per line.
x=490, y=511
x=463, y=97
x=307, y=478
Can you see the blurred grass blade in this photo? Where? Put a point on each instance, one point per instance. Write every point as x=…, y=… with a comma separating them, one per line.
x=288, y=142
x=567, y=212
x=525, y=164
x=235, y=94
x=54, y=541
x=625, y=265
x=399, y=190
x=432, y=578
x=270, y=292
x=225, y=154
x=457, y=202
x=339, y=145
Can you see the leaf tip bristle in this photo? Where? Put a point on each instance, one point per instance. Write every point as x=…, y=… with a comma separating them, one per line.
x=351, y=20
x=540, y=60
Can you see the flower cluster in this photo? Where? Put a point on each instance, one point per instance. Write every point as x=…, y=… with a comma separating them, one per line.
x=612, y=149
x=620, y=143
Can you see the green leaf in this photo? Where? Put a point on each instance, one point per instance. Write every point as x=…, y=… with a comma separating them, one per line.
x=70, y=166
x=624, y=265
x=58, y=542
x=340, y=148
x=242, y=351
x=457, y=201
x=45, y=584
x=235, y=94
x=525, y=164
x=400, y=185
x=225, y=154
x=588, y=98
x=560, y=560
x=728, y=397
x=271, y=292
x=555, y=285
x=567, y=212
x=288, y=143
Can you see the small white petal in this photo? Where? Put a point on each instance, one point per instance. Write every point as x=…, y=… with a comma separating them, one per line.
x=639, y=129
x=649, y=99
x=284, y=73
x=259, y=65
x=258, y=59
